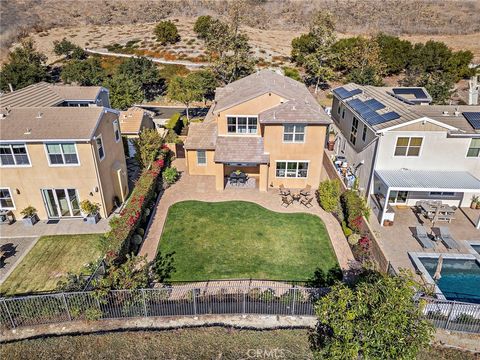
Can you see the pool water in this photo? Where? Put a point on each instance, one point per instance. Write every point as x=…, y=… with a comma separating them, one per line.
x=460, y=279
x=476, y=248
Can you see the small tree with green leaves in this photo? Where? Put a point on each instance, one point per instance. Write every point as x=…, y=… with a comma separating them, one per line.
x=202, y=26
x=68, y=49
x=166, y=32
x=87, y=72
x=147, y=146
x=185, y=90
x=124, y=91
x=329, y=195
x=24, y=66
x=375, y=319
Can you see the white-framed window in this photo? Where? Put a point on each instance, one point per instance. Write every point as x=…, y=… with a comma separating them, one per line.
x=474, y=148
x=14, y=155
x=291, y=169
x=6, y=200
x=353, y=132
x=61, y=154
x=408, y=146
x=442, y=193
x=100, y=149
x=116, y=131
x=364, y=133
x=294, y=133
x=201, y=157
x=242, y=124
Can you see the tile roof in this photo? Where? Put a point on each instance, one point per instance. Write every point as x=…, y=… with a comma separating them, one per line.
x=240, y=149
x=131, y=120
x=201, y=136
x=294, y=112
x=259, y=83
x=45, y=94
x=51, y=123
x=409, y=112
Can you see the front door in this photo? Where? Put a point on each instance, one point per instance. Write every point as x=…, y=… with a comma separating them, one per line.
x=61, y=203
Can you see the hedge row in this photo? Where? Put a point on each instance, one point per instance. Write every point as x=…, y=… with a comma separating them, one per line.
x=136, y=211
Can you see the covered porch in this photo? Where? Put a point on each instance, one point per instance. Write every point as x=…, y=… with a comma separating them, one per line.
x=440, y=192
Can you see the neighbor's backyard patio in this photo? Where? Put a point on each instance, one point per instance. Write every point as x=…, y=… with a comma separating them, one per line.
x=242, y=240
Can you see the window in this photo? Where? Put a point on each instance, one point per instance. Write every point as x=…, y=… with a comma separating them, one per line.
x=241, y=125
x=364, y=133
x=62, y=153
x=338, y=109
x=14, y=155
x=116, y=131
x=294, y=133
x=442, y=193
x=6, y=201
x=201, y=157
x=407, y=146
x=343, y=113
x=474, y=149
x=101, y=151
x=292, y=169
x=353, y=133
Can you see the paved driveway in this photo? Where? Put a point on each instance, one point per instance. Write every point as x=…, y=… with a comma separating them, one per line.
x=14, y=250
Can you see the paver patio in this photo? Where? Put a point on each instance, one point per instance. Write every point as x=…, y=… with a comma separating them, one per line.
x=397, y=240
x=202, y=188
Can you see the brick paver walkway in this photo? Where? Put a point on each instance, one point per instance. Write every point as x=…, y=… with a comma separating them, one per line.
x=202, y=188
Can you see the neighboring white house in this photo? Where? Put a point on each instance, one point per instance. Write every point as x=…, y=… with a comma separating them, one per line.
x=401, y=148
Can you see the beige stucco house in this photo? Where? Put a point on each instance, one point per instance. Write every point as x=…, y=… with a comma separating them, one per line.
x=57, y=150
x=266, y=125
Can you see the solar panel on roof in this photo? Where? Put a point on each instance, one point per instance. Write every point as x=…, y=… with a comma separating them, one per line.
x=374, y=104
x=417, y=92
x=392, y=115
x=354, y=102
x=342, y=93
x=355, y=92
x=369, y=115
x=473, y=118
x=375, y=120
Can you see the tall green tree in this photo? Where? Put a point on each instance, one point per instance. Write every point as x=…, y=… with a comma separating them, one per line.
x=438, y=84
x=206, y=82
x=144, y=72
x=147, y=146
x=124, y=91
x=376, y=319
x=185, y=90
x=25, y=66
x=87, y=72
x=394, y=53
x=68, y=49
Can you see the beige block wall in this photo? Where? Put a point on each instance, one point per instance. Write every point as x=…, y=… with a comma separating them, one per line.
x=194, y=168
x=113, y=183
x=311, y=150
x=251, y=107
x=30, y=180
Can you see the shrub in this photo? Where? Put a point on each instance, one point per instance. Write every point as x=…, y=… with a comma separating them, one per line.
x=329, y=194
x=166, y=32
x=173, y=121
x=292, y=73
x=170, y=175
x=346, y=230
x=353, y=239
x=202, y=26
x=123, y=227
x=354, y=207
x=29, y=211
x=89, y=208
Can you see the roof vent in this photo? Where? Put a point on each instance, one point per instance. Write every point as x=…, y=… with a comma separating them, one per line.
x=456, y=112
x=28, y=131
x=293, y=107
x=39, y=115
x=445, y=113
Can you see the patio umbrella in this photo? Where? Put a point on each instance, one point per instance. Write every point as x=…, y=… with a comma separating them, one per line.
x=437, y=276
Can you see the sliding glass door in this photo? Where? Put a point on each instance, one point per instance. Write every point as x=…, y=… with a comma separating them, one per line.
x=61, y=202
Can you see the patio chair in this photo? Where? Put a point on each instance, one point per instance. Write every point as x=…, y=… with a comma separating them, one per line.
x=307, y=202
x=306, y=191
x=283, y=190
x=447, y=238
x=233, y=180
x=286, y=201
x=423, y=238
x=242, y=180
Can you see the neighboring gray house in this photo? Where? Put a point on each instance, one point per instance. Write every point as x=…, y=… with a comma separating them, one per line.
x=401, y=148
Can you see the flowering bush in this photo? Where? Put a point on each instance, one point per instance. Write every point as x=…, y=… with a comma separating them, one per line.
x=123, y=227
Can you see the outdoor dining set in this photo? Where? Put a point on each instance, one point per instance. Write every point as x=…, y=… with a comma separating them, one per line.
x=237, y=178
x=436, y=211
x=301, y=196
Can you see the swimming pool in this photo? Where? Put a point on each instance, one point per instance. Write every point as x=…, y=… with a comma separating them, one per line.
x=476, y=248
x=460, y=274
x=460, y=278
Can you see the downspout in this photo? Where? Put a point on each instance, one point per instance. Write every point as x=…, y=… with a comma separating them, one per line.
x=372, y=171
x=100, y=189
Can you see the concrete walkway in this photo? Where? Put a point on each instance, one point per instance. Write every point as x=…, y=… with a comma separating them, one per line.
x=202, y=188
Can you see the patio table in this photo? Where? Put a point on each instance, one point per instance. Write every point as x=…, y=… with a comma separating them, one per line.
x=296, y=196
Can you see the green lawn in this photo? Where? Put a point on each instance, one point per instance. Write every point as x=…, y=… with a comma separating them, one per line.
x=51, y=258
x=236, y=239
